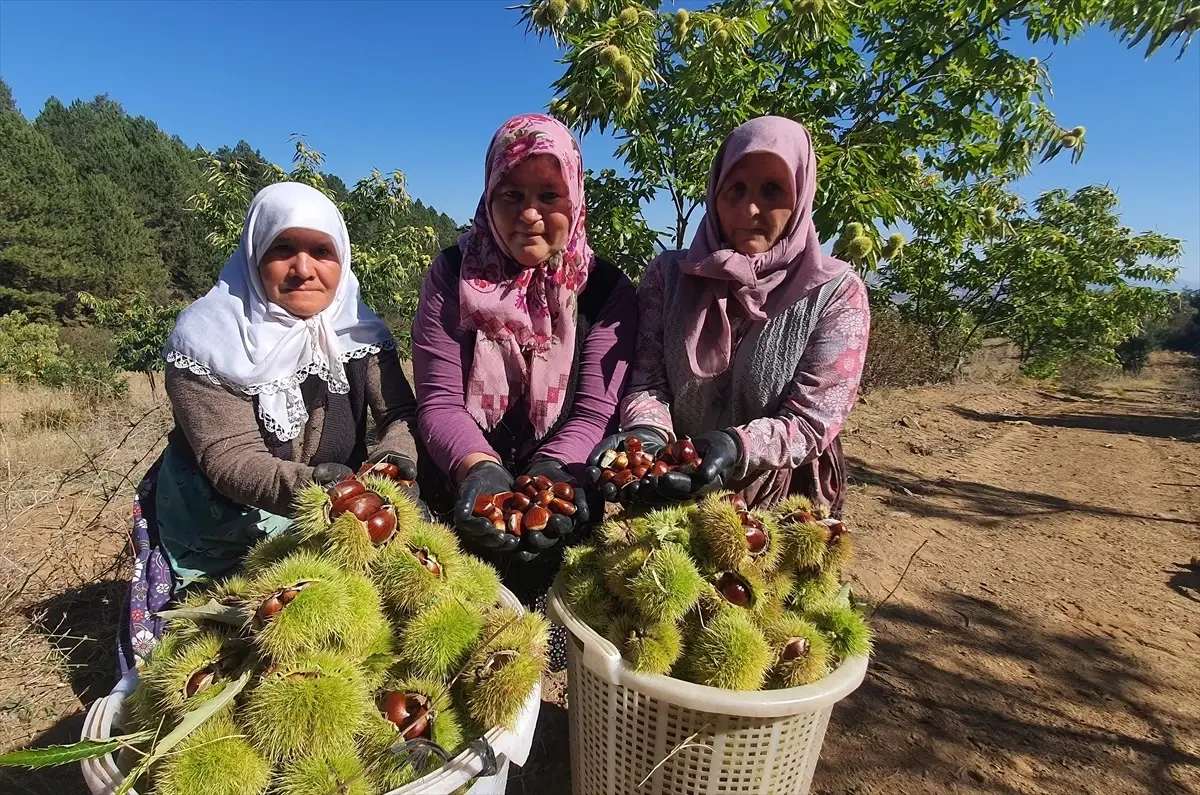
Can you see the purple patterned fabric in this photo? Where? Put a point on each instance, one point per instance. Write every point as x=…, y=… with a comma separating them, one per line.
x=151, y=586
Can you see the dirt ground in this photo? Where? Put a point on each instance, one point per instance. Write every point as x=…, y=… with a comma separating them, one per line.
x=1045, y=639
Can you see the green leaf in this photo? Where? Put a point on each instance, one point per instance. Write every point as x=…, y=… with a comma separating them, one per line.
x=34, y=758
x=211, y=611
x=191, y=721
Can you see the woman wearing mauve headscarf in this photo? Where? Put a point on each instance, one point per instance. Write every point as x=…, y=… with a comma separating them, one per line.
x=270, y=375
x=521, y=348
x=752, y=341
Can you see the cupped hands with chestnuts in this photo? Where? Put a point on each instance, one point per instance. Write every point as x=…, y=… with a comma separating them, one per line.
x=523, y=516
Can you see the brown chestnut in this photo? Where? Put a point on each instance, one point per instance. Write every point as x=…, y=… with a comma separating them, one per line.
x=381, y=525
x=345, y=488
x=660, y=468
x=361, y=505
x=428, y=561
x=563, y=507
x=408, y=484
x=536, y=518
x=640, y=460
x=836, y=529
x=621, y=461
x=735, y=590
x=563, y=491
x=200, y=681
x=269, y=607
x=512, y=523
x=639, y=472
x=544, y=497
x=737, y=501
x=287, y=595
x=606, y=475
x=522, y=482
x=633, y=444
x=484, y=503
x=756, y=538
x=795, y=648
x=543, y=482
x=799, y=517
x=408, y=711
x=623, y=478
x=685, y=451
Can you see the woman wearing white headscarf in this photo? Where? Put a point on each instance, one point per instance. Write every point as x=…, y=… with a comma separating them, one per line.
x=270, y=378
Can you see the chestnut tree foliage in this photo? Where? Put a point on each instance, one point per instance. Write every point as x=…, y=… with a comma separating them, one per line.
x=920, y=110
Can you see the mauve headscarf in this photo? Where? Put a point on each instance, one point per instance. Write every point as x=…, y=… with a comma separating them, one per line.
x=523, y=318
x=764, y=285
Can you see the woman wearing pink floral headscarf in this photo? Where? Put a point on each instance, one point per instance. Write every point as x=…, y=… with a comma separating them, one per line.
x=751, y=341
x=522, y=342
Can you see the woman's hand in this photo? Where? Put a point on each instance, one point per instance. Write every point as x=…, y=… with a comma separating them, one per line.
x=720, y=452
x=485, y=477
x=652, y=439
x=534, y=541
x=330, y=472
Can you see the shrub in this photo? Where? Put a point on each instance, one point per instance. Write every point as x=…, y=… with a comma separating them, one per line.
x=26, y=348
x=903, y=353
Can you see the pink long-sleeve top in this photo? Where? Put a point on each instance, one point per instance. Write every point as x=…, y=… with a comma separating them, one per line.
x=818, y=399
x=442, y=357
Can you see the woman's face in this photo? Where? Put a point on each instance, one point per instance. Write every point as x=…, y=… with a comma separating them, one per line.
x=755, y=201
x=531, y=212
x=300, y=271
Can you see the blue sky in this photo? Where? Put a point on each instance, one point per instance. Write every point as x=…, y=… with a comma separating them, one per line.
x=422, y=86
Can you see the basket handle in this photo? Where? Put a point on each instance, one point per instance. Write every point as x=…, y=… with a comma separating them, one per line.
x=600, y=654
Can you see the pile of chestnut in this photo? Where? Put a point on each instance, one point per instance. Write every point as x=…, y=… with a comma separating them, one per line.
x=351, y=496
x=631, y=463
x=528, y=506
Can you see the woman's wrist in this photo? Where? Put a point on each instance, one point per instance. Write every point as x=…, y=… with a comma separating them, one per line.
x=469, y=461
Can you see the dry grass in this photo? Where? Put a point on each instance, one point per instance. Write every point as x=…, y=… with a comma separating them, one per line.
x=67, y=475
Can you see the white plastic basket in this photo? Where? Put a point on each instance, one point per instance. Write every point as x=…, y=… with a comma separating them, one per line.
x=686, y=739
x=105, y=774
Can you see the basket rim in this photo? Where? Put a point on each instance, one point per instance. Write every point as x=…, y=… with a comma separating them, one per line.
x=602, y=658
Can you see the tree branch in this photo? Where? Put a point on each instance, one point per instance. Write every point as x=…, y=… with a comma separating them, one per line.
x=973, y=34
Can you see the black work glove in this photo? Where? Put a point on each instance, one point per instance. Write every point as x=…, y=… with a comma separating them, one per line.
x=486, y=477
x=652, y=440
x=329, y=473
x=720, y=451
x=534, y=541
x=406, y=466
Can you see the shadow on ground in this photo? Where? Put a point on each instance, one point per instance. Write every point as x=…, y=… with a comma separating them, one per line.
x=965, y=695
x=1161, y=426
x=548, y=769
x=81, y=623
x=990, y=505
x=65, y=780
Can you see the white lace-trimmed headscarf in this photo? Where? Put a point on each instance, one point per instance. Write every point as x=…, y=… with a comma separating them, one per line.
x=237, y=338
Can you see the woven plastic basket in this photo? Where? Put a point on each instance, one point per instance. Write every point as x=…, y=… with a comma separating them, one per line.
x=105, y=774
x=634, y=732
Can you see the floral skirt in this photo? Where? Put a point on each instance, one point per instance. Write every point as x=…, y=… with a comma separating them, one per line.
x=152, y=586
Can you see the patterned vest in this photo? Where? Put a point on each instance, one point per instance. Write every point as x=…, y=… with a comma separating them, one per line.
x=764, y=362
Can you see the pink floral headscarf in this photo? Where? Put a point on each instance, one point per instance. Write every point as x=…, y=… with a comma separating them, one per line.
x=524, y=319
x=719, y=283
